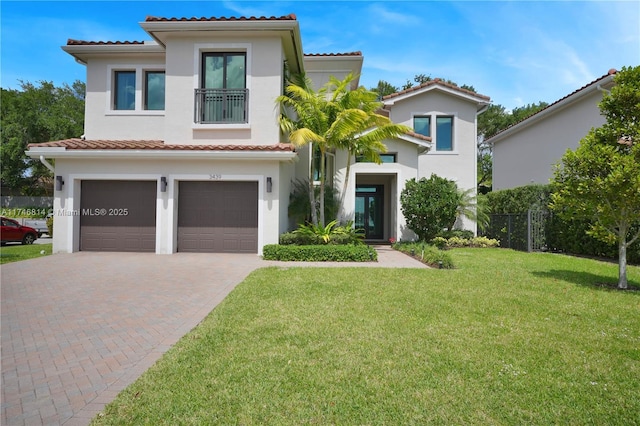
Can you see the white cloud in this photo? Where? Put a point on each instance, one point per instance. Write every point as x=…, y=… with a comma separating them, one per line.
x=241, y=9
x=388, y=17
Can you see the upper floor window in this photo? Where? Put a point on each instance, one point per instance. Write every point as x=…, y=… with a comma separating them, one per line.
x=124, y=90
x=136, y=89
x=154, y=90
x=422, y=125
x=444, y=133
x=222, y=96
x=443, y=130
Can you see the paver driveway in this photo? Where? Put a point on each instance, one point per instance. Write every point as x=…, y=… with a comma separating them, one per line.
x=78, y=328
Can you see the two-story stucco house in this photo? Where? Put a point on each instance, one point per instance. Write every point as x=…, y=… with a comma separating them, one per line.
x=526, y=152
x=182, y=150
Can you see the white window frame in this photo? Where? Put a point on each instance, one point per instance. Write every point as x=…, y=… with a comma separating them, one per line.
x=198, y=50
x=140, y=70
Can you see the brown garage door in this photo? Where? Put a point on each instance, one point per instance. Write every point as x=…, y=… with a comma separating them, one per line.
x=216, y=217
x=118, y=215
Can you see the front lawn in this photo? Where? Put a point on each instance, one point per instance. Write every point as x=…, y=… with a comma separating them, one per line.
x=14, y=252
x=506, y=338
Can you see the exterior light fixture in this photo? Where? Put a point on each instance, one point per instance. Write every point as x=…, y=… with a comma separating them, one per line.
x=59, y=183
x=163, y=184
x=269, y=184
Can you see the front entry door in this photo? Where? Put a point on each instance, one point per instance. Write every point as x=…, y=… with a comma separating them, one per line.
x=369, y=209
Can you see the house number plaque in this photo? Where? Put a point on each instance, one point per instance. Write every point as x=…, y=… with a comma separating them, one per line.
x=215, y=176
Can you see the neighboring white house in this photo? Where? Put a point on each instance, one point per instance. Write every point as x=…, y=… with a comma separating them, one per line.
x=182, y=150
x=526, y=152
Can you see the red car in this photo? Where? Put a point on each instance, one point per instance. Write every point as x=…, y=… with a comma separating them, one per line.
x=12, y=231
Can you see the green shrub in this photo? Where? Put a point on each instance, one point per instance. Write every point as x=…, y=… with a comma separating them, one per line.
x=427, y=253
x=461, y=233
x=453, y=242
x=519, y=200
x=484, y=242
x=570, y=236
x=309, y=234
x=440, y=242
x=320, y=253
x=429, y=205
x=50, y=226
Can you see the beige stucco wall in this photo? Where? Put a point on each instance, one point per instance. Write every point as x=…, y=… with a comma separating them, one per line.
x=528, y=156
x=264, y=81
x=272, y=207
x=181, y=62
x=101, y=121
x=458, y=165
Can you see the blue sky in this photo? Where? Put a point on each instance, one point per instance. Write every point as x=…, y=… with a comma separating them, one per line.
x=516, y=52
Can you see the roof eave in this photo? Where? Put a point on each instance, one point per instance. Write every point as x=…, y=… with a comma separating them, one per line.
x=478, y=100
x=82, y=52
x=61, y=152
x=289, y=31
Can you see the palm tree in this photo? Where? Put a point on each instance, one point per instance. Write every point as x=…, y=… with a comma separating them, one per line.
x=335, y=118
x=472, y=206
x=306, y=123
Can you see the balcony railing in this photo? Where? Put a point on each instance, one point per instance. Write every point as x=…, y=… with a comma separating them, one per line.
x=221, y=106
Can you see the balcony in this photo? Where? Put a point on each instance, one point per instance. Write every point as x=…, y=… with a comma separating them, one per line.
x=221, y=106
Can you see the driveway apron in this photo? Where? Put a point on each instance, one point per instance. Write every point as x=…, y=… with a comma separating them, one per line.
x=78, y=328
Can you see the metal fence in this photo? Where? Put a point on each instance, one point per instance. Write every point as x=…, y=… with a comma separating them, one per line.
x=520, y=231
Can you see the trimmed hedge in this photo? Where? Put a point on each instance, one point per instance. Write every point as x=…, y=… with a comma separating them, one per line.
x=300, y=239
x=320, y=253
x=519, y=200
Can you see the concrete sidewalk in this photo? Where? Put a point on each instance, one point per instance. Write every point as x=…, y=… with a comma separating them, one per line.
x=78, y=328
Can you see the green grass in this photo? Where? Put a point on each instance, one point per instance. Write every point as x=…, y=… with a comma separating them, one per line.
x=14, y=252
x=506, y=338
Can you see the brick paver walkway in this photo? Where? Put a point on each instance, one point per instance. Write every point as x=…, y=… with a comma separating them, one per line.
x=78, y=328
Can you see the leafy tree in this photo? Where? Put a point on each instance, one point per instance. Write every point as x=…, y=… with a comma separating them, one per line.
x=520, y=113
x=36, y=114
x=600, y=180
x=429, y=205
x=384, y=88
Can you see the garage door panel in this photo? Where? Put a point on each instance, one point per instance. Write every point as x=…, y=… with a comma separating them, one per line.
x=118, y=216
x=218, y=217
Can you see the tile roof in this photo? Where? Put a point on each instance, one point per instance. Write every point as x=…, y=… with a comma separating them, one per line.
x=79, y=144
x=439, y=82
x=290, y=17
x=358, y=53
x=419, y=136
x=72, y=42
x=611, y=72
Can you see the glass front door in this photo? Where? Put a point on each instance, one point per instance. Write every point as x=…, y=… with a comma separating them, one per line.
x=369, y=209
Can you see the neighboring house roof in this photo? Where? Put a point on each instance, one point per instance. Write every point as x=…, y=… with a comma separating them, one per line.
x=597, y=84
x=436, y=84
x=79, y=147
